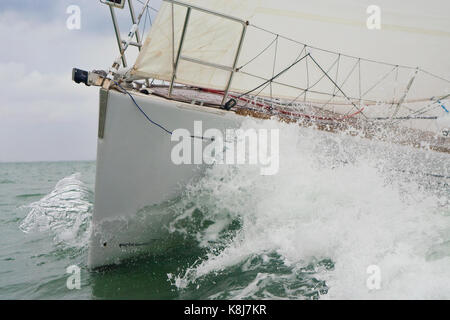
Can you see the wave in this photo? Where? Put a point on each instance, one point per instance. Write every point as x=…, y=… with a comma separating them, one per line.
x=337, y=206
x=65, y=211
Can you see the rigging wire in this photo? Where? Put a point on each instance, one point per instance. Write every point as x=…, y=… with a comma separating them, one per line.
x=148, y=6
x=354, y=105
x=337, y=90
x=395, y=68
x=152, y=121
x=332, y=52
x=142, y=111
x=274, y=77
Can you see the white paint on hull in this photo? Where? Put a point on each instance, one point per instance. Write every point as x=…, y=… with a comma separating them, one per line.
x=135, y=172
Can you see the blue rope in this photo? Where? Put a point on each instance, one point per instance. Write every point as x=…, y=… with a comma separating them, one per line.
x=150, y=120
x=142, y=111
x=442, y=106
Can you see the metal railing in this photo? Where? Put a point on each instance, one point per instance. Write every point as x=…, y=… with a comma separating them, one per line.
x=179, y=56
x=123, y=45
x=134, y=33
x=120, y=42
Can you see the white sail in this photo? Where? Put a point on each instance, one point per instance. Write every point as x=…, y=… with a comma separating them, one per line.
x=208, y=38
x=274, y=41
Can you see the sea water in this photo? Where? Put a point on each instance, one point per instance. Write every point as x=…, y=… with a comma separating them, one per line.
x=339, y=208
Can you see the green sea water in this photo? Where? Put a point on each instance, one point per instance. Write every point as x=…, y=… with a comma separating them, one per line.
x=33, y=263
x=237, y=235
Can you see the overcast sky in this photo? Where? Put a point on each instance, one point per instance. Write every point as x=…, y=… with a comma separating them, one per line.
x=45, y=116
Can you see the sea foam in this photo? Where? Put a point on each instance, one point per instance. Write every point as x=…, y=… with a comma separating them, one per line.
x=65, y=211
x=354, y=202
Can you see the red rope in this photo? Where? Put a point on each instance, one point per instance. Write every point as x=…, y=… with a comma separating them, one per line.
x=289, y=113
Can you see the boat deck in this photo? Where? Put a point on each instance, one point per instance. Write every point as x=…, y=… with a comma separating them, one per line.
x=309, y=115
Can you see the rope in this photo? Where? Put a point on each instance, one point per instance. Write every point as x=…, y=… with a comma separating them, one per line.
x=339, y=88
x=274, y=77
x=337, y=92
x=148, y=6
x=429, y=106
x=142, y=111
x=362, y=95
x=258, y=55
x=332, y=52
x=379, y=81
x=150, y=120
x=442, y=106
x=434, y=75
x=284, y=112
x=315, y=83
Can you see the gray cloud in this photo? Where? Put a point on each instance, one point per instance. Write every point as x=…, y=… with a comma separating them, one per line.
x=43, y=114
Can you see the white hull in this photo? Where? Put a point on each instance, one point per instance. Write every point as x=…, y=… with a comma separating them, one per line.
x=135, y=171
